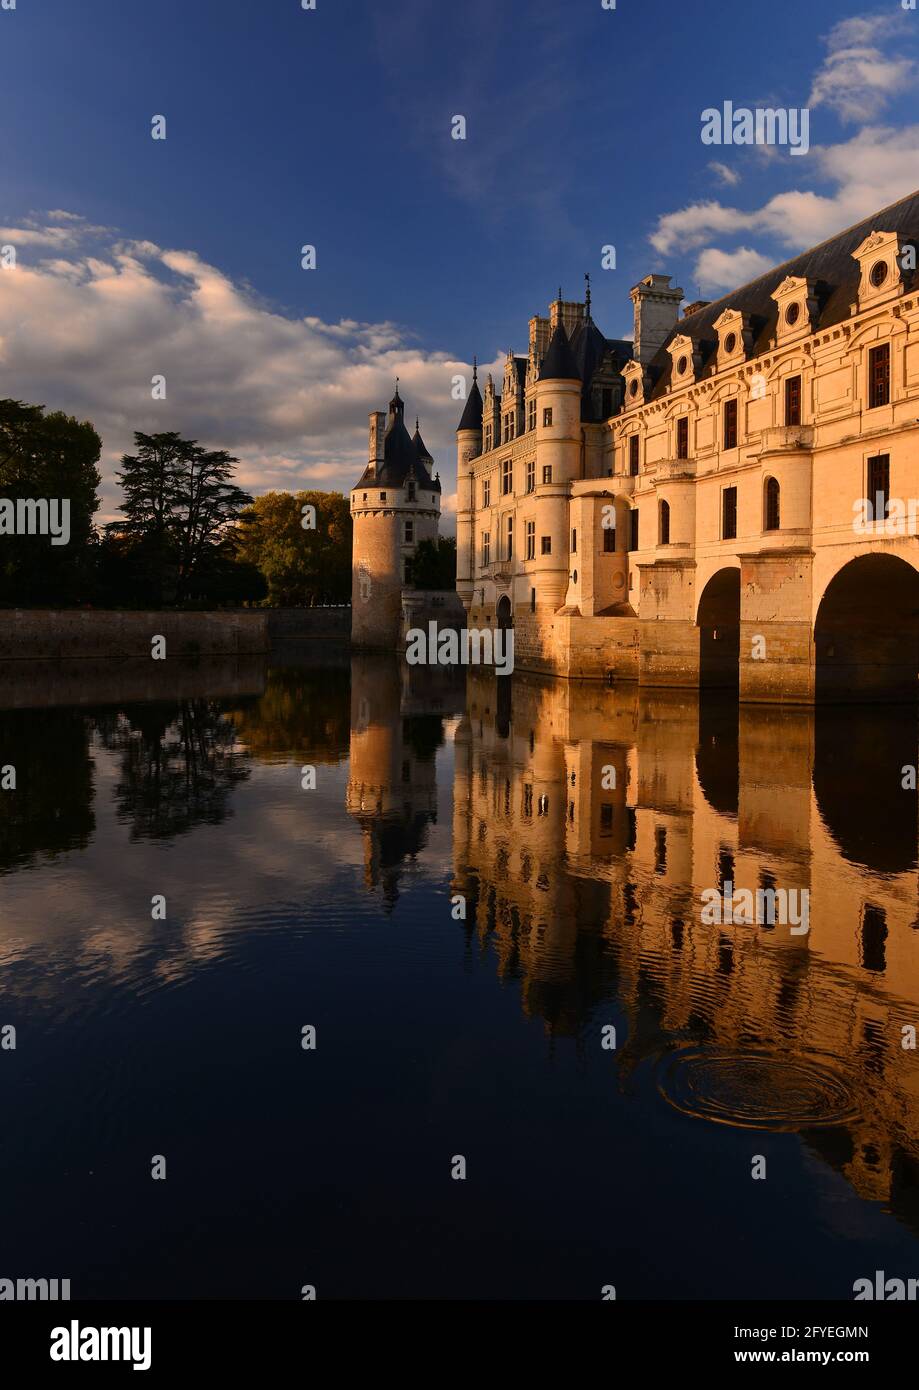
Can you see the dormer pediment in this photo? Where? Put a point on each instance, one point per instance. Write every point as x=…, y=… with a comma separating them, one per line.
x=735, y=337
x=685, y=361
x=637, y=383
x=880, y=259
x=796, y=299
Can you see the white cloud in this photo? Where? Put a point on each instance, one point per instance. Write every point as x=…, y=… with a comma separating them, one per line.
x=876, y=167
x=857, y=83
x=723, y=270
x=857, y=78
x=724, y=172
x=85, y=329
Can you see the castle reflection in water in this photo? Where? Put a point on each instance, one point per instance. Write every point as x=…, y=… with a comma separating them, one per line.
x=578, y=1019
x=585, y=888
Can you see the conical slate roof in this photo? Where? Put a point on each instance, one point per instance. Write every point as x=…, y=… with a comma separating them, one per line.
x=472, y=415
x=401, y=455
x=559, y=363
x=421, y=451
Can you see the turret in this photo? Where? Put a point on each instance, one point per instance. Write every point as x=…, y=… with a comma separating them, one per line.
x=468, y=448
x=394, y=505
x=558, y=450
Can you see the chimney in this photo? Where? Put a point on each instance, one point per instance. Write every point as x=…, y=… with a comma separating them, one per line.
x=567, y=312
x=657, y=308
x=377, y=433
x=695, y=306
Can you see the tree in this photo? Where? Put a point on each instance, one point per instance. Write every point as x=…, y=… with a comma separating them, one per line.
x=179, y=508
x=302, y=564
x=207, y=503
x=434, y=564
x=52, y=458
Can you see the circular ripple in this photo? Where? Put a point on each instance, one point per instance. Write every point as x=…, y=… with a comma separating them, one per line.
x=756, y=1090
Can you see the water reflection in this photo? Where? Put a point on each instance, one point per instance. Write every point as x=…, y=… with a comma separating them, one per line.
x=581, y=825
x=581, y=882
x=51, y=810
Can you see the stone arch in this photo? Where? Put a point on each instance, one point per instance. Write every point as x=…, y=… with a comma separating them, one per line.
x=718, y=621
x=866, y=631
x=504, y=613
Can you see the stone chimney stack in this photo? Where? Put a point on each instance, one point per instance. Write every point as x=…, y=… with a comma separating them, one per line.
x=657, y=309
x=377, y=432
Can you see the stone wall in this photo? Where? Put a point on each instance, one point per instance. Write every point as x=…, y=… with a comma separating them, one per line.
x=309, y=622
x=47, y=634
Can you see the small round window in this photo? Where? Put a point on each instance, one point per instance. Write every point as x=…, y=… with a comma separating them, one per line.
x=633, y=387
x=574, y=577
x=878, y=273
x=681, y=366
x=792, y=313
x=730, y=342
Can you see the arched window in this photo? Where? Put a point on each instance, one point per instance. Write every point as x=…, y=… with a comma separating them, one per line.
x=771, y=513
x=663, y=523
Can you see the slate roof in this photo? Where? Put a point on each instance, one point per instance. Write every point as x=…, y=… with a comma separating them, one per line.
x=471, y=418
x=401, y=456
x=830, y=264
x=559, y=363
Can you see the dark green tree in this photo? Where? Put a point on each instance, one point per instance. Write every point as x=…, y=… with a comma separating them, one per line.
x=50, y=456
x=179, y=508
x=434, y=564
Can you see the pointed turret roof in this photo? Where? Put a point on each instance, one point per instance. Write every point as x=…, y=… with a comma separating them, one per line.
x=559, y=362
x=403, y=455
x=472, y=415
x=421, y=450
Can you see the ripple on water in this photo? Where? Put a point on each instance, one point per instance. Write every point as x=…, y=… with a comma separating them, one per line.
x=754, y=1090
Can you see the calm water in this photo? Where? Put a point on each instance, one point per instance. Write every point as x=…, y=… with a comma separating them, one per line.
x=437, y=1036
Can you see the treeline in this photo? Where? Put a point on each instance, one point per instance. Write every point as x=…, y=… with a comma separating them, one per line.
x=187, y=535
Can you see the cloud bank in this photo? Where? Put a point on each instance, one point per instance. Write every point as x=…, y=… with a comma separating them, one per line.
x=88, y=318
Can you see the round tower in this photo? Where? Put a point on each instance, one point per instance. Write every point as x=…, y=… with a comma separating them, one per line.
x=468, y=448
x=394, y=505
x=558, y=449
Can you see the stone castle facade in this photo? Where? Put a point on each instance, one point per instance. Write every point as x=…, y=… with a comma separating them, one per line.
x=680, y=509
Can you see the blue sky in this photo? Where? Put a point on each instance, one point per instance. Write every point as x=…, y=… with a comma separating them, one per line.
x=332, y=127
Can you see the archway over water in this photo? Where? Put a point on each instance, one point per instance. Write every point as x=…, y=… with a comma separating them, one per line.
x=718, y=621
x=866, y=635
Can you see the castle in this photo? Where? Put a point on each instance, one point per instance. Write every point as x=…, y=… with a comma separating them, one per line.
x=688, y=508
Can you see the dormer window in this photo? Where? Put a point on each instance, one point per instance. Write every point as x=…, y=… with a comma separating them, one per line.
x=684, y=359
x=880, y=260
x=633, y=387
x=735, y=335
x=797, y=307
x=410, y=490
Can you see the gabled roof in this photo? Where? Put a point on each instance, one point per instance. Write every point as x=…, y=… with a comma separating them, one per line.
x=830, y=265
